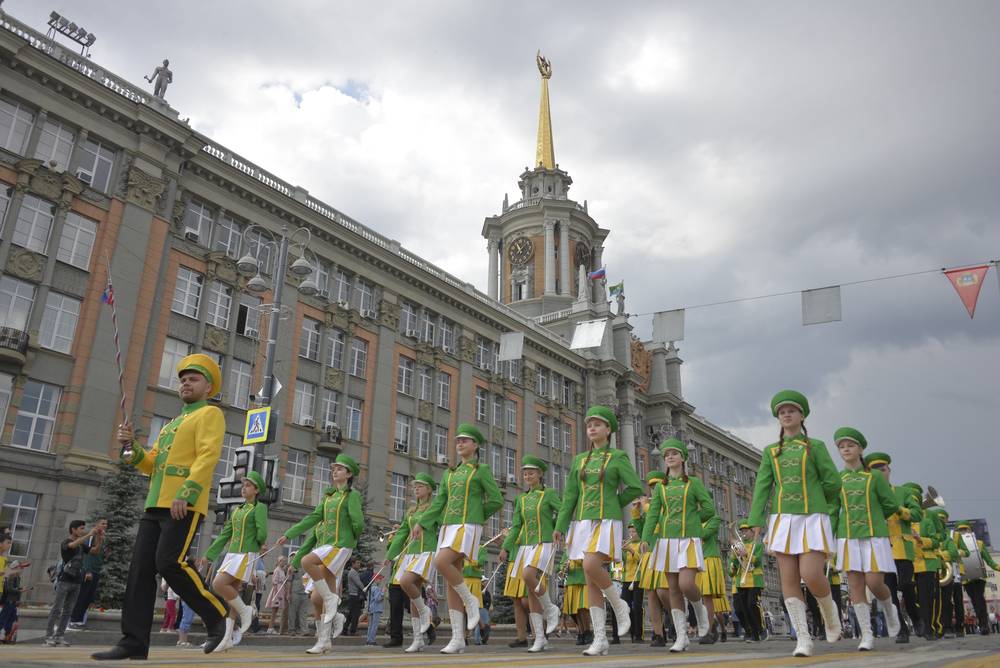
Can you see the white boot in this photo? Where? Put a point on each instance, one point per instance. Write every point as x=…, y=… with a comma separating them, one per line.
x=227, y=640
x=471, y=606
x=330, y=600
x=797, y=613
x=701, y=614
x=831, y=617
x=457, y=643
x=244, y=611
x=418, y=636
x=598, y=620
x=681, y=626
x=621, y=609
x=551, y=611
x=538, y=628
x=892, y=623
x=864, y=614
x=424, y=613
x=323, y=644
x=337, y=625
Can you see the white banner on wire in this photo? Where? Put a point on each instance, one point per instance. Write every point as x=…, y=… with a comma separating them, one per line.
x=668, y=326
x=821, y=305
x=588, y=334
x=511, y=346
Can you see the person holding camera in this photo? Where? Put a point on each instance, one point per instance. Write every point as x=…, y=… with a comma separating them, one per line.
x=68, y=581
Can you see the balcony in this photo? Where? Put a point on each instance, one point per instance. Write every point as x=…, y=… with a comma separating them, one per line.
x=13, y=346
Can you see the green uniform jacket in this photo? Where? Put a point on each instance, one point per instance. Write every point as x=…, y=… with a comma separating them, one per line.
x=244, y=531
x=931, y=534
x=794, y=483
x=468, y=494
x=182, y=461
x=535, y=513
x=306, y=548
x=901, y=523
x=754, y=578
x=400, y=541
x=338, y=519
x=866, y=499
x=590, y=499
x=474, y=569
x=678, y=509
x=710, y=538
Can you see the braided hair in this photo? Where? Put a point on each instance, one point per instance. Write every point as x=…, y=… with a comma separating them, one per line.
x=781, y=440
x=590, y=453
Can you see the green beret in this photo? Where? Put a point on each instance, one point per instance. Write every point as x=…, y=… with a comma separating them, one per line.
x=674, y=444
x=604, y=414
x=466, y=430
x=349, y=463
x=915, y=487
x=964, y=524
x=532, y=462
x=655, y=477
x=786, y=397
x=851, y=434
x=425, y=479
x=877, y=459
x=257, y=480
x=745, y=525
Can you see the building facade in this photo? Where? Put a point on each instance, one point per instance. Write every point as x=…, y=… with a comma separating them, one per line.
x=382, y=362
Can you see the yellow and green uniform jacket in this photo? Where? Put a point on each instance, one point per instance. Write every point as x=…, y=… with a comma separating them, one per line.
x=591, y=499
x=181, y=463
x=468, y=494
x=678, y=509
x=306, y=548
x=866, y=499
x=960, y=550
x=631, y=558
x=901, y=530
x=401, y=543
x=755, y=576
x=244, y=531
x=534, y=513
x=474, y=569
x=795, y=483
x=928, y=556
x=337, y=518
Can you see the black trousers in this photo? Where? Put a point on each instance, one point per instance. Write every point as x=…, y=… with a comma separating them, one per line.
x=397, y=604
x=929, y=596
x=634, y=599
x=953, y=608
x=161, y=546
x=975, y=590
x=88, y=592
x=892, y=581
x=746, y=600
x=906, y=585
x=354, y=607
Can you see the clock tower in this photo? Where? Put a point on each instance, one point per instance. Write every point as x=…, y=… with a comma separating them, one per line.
x=541, y=245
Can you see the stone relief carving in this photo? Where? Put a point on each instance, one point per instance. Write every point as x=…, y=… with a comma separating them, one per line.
x=496, y=435
x=388, y=314
x=333, y=379
x=338, y=317
x=144, y=190
x=122, y=185
x=467, y=349
x=223, y=267
x=216, y=339
x=425, y=410
x=25, y=264
x=528, y=377
x=180, y=208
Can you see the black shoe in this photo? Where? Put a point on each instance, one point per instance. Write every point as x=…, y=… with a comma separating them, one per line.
x=615, y=641
x=903, y=638
x=723, y=638
x=214, y=635
x=579, y=639
x=709, y=639
x=393, y=642
x=588, y=637
x=432, y=635
x=484, y=635
x=657, y=641
x=117, y=653
x=518, y=643
x=930, y=636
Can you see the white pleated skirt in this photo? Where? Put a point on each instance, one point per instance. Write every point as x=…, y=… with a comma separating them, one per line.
x=670, y=555
x=239, y=564
x=422, y=564
x=334, y=558
x=463, y=538
x=865, y=555
x=603, y=536
x=537, y=556
x=798, y=534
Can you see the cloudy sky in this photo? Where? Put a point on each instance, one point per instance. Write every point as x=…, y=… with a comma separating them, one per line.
x=733, y=149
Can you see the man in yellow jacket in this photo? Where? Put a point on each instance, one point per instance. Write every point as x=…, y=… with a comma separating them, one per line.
x=179, y=467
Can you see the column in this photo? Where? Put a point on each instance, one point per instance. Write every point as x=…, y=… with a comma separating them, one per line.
x=492, y=246
x=550, y=269
x=564, y=256
x=674, y=362
x=626, y=433
x=658, y=369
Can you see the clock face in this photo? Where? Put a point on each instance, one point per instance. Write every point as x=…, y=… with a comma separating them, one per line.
x=582, y=255
x=520, y=251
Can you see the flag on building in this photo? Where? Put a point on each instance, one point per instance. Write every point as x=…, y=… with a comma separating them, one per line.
x=616, y=289
x=596, y=275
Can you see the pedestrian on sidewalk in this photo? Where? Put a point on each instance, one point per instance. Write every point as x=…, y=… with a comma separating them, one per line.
x=68, y=581
x=376, y=604
x=93, y=564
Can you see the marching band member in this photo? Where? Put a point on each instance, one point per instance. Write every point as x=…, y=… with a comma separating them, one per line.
x=242, y=535
x=801, y=482
x=595, y=506
x=975, y=588
x=748, y=582
x=575, y=603
x=931, y=533
x=679, y=508
x=339, y=521
x=863, y=548
x=631, y=594
x=650, y=580
x=950, y=608
x=711, y=582
x=534, y=516
x=515, y=589
x=416, y=567
x=468, y=495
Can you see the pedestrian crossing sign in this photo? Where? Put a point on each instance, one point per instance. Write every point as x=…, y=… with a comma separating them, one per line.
x=258, y=424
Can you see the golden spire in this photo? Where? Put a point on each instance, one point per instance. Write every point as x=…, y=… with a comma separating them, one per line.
x=544, y=153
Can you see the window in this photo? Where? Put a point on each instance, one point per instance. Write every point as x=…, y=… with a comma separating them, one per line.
x=484, y=353
x=508, y=513
x=5, y=193
x=173, y=352
x=496, y=459
x=404, y=375
x=6, y=385
x=15, y=125
x=77, y=241
x=555, y=384
x=309, y=339
x=34, y=224
x=227, y=457
x=497, y=411
x=305, y=398
x=329, y=407
x=321, y=274
x=408, y=319
x=359, y=357
x=640, y=467
x=511, y=369
x=397, y=497
x=482, y=404
x=355, y=409
x=495, y=524
x=402, y=432
x=512, y=416
x=55, y=144
x=294, y=488
x=16, y=298
x=228, y=235
x=239, y=384
x=511, y=458
x=187, y=292
x=341, y=287
x=556, y=441
x=248, y=316
x=59, y=322
x=220, y=304
x=566, y=437
x=440, y=442
x=446, y=336
x=96, y=163
x=198, y=222
x=543, y=429
x=336, y=339
x=429, y=329
x=156, y=425
x=36, y=416
x=541, y=381
x=426, y=383
x=567, y=393
x=366, y=295
x=18, y=513
x=423, y=439
x=557, y=477
x=444, y=390
x=321, y=478
x=260, y=247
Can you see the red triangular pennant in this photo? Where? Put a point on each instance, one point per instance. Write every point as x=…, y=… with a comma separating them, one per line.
x=968, y=282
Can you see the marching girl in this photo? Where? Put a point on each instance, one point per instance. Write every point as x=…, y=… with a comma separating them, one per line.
x=748, y=582
x=340, y=522
x=926, y=560
x=242, y=536
x=863, y=548
x=801, y=483
x=534, y=516
x=416, y=567
x=467, y=497
x=592, y=510
x=651, y=581
x=575, y=599
x=711, y=582
x=515, y=589
x=679, y=508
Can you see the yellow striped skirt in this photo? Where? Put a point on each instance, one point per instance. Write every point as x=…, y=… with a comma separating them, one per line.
x=475, y=586
x=711, y=581
x=513, y=585
x=648, y=577
x=574, y=599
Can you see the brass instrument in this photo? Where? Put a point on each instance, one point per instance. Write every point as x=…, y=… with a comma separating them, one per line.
x=386, y=535
x=932, y=499
x=740, y=548
x=946, y=573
